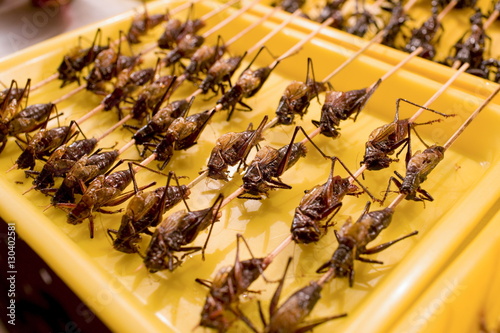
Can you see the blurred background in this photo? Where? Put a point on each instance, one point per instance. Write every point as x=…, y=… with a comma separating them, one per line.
x=26, y=22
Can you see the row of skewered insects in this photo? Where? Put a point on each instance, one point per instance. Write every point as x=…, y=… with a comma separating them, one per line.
x=88, y=174
x=474, y=47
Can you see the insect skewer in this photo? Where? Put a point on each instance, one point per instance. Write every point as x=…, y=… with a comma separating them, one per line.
x=330, y=274
x=233, y=39
x=218, y=107
x=413, y=54
x=122, y=121
x=379, y=36
x=455, y=136
x=204, y=18
x=438, y=93
x=56, y=75
x=175, y=10
x=376, y=39
x=356, y=174
x=486, y=25
x=99, y=138
x=101, y=106
x=240, y=190
x=263, y=40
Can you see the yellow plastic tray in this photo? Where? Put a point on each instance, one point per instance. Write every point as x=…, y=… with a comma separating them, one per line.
x=129, y=299
x=463, y=297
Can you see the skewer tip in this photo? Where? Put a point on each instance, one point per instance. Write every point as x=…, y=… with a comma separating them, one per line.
x=28, y=190
x=12, y=168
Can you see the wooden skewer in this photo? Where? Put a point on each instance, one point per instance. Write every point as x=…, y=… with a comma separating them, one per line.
x=251, y=26
x=301, y=43
x=70, y=94
x=462, y=69
x=446, y=10
x=493, y=17
x=274, y=32
x=44, y=82
x=230, y=18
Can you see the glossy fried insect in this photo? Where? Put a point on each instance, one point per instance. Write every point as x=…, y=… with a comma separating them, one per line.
x=247, y=85
x=321, y=203
x=221, y=304
x=83, y=171
x=42, y=144
x=104, y=191
x=107, y=65
x=151, y=97
x=127, y=82
x=61, y=161
x=353, y=239
x=471, y=50
x=176, y=232
x=384, y=140
x=145, y=210
x=13, y=92
x=10, y=121
x=232, y=148
x=161, y=121
x=169, y=37
x=291, y=6
x=175, y=31
x=262, y=175
x=298, y=95
x=340, y=105
x=203, y=59
x=30, y=118
x=393, y=27
x=290, y=316
x=77, y=59
x=185, y=49
x=417, y=170
x=363, y=19
x=181, y=134
x=142, y=23
x=488, y=69
x=221, y=71
x=460, y=4
x=333, y=9
x=423, y=36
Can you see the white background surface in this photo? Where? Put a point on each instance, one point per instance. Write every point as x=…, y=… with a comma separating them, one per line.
x=22, y=25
